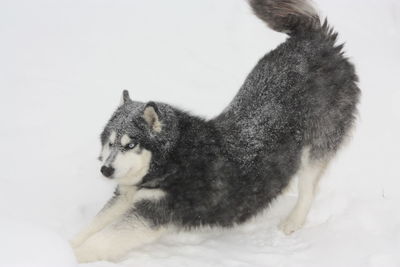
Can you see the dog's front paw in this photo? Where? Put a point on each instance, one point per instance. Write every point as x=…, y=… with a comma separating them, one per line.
x=98, y=248
x=290, y=225
x=76, y=242
x=84, y=255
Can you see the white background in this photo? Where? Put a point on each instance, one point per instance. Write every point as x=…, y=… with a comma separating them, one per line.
x=63, y=65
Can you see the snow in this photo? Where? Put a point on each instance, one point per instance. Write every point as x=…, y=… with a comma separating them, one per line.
x=25, y=244
x=63, y=67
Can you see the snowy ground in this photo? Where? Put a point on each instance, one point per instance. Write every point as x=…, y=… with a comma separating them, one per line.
x=62, y=67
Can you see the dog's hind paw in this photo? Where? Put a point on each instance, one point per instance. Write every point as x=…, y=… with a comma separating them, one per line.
x=290, y=225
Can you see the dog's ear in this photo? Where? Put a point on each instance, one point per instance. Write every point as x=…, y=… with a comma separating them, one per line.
x=125, y=98
x=151, y=115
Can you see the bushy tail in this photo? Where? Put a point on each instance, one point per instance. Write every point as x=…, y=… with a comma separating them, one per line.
x=289, y=16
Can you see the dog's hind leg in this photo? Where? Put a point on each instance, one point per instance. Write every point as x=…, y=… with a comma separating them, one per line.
x=309, y=174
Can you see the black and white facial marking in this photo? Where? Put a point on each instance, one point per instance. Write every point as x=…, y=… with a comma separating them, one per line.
x=124, y=159
x=131, y=136
x=123, y=156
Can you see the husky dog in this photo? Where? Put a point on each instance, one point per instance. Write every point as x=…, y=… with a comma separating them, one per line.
x=178, y=171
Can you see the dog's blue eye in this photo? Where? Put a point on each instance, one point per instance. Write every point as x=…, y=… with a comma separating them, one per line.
x=130, y=146
x=110, y=144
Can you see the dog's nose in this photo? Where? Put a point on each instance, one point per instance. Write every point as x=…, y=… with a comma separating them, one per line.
x=107, y=171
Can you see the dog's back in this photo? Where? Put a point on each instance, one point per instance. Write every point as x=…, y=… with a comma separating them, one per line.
x=303, y=93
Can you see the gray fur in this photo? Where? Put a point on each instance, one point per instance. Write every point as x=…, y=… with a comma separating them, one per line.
x=223, y=171
x=290, y=16
x=125, y=97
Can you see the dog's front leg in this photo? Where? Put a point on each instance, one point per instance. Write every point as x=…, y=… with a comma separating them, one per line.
x=111, y=212
x=117, y=239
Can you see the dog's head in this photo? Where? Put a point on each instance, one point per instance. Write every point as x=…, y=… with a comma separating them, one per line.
x=136, y=135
